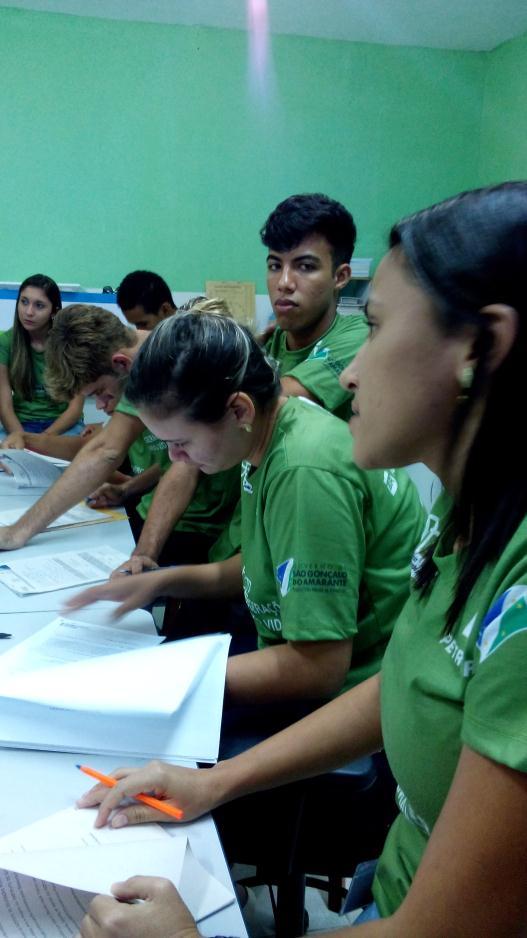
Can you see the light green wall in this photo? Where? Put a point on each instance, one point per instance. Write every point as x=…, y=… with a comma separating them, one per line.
x=137, y=144
x=504, y=122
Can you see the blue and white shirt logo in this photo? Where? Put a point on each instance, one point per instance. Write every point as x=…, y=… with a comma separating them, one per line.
x=319, y=351
x=245, y=470
x=283, y=575
x=507, y=617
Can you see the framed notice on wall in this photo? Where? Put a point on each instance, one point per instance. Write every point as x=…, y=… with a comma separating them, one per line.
x=239, y=296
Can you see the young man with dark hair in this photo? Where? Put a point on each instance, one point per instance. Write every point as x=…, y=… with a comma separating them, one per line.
x=310, y=240
x=145, y=299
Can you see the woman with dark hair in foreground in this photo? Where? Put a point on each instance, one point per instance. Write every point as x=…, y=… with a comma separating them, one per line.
x=438, y=381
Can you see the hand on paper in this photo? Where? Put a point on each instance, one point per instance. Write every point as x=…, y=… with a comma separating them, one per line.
x=106, y=496
x=14, y=440
x=130, y=593
x=191, y=790
x=137, y=563
x=162, y=914
x=10, y=538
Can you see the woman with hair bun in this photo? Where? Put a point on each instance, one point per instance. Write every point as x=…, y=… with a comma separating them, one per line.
x=325, y=547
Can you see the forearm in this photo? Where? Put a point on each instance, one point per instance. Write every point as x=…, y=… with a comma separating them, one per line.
x=345, y=729
x=8, y=418
x=90, y=468
x=307, y=670
x=204, y=581
x=49, y=444
x=137, y=485
x=68, y=418
x=172, y=497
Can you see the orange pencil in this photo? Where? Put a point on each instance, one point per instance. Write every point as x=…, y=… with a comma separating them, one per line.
x=146, y=799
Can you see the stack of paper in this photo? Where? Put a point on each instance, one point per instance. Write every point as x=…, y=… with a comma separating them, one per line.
x=54, y=884
x=60, y=571
x=31, y=470
x=75, y=687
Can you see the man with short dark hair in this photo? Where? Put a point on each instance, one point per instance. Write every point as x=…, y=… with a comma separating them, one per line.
x=145, y=299
x=310, y=240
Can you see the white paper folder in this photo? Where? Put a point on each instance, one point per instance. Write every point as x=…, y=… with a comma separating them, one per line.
x=155, y=702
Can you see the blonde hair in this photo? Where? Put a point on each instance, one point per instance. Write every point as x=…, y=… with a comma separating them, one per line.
x=202, y=304
x=80, y=346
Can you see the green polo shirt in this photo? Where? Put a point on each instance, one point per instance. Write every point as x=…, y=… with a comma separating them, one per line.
x=41, y=406
x=441, y=691
x=318, y=366
x=326, y=547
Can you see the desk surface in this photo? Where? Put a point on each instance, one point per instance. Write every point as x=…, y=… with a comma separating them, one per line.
x=37, y=783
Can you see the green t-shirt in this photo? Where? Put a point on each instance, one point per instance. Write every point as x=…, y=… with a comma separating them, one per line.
x=442, y=691
x=326, y=547
x=214, y=498
x=41, y=406
x=318, y=366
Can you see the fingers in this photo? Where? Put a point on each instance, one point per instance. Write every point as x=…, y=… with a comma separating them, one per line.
x=144, y=887
x=131, y=782
x=137, y=563
x=86, y=598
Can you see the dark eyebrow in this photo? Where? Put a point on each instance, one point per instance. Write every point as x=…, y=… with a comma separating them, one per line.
x=307, y=257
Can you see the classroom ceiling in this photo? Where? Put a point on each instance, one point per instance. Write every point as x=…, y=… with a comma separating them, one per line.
x=477, y=25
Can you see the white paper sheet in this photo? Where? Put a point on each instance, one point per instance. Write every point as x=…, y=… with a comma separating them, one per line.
x=109, y=674
x=31, y=470
x=79, y=514
x=90, y=860
x=65, y=640
x=60, y=571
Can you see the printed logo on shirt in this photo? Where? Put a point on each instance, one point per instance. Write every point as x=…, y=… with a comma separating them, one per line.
x=245, y=470
x=429, y=535
x=305, y=575
x=406, y=809
x=266, y=613
x=153, y=443
x=283, y=574
x=390, y=481
x=457, y=653
x=318, y=352
x=506, y=618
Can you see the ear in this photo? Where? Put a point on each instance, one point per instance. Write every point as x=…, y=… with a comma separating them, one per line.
x=121, y=363
x=502, y=323
x=242, y=408
x=166, y=310
x=342, y=276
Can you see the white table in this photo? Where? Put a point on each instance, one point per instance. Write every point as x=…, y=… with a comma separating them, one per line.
x=114, y=534
x=34, y=783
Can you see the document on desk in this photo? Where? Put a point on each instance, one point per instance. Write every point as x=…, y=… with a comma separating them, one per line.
x=54, y=885
x=31, y=470
x=74, y=686
x=60, y=571
x=79, y=514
